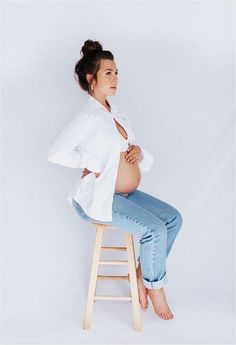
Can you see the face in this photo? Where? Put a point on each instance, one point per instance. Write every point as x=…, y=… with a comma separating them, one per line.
x=107, y=79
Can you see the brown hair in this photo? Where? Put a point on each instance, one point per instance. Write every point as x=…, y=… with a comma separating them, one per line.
x=90, y=62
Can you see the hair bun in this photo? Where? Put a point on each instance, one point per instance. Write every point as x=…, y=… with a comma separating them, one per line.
x=90, y=47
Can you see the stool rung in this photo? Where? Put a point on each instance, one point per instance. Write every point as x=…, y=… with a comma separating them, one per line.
x=113, y=262
x=112, y=277
x=114, y=248
x=115, y=298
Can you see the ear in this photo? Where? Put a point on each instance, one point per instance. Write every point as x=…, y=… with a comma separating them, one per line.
x=89, y=77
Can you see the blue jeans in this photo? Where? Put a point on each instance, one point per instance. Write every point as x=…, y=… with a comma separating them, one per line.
x=155, y=222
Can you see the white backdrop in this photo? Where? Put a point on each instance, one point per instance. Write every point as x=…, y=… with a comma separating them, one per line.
x=176, y=81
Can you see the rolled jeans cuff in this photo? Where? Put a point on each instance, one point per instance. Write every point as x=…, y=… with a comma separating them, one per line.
x=158, y=284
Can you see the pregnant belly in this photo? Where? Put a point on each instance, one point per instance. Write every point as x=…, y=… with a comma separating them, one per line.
x=128, y=176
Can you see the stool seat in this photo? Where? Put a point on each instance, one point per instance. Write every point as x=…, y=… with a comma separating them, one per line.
x=94, y=277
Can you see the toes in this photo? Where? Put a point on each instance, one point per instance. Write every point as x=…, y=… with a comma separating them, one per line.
x=164, y=316
x=144, y=305
x=169, y=315
x=158, y=315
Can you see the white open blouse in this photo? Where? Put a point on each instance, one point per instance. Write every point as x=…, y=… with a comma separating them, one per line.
x=91, y=140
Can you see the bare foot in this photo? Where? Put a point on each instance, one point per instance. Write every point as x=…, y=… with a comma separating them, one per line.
x=142, y=290
x=160, y=304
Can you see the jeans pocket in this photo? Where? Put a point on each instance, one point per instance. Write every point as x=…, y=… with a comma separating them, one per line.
x=80, y=211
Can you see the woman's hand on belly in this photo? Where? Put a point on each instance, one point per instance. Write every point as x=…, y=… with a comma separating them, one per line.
x=128, y=175
x=133, y=155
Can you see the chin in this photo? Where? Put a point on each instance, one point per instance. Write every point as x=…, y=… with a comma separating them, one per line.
x=112, y=91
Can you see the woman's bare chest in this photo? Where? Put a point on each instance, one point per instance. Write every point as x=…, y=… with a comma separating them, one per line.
x=121, y=130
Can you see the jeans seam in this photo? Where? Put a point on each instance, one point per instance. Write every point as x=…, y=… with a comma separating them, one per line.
x=133, y=219
x=153, y=254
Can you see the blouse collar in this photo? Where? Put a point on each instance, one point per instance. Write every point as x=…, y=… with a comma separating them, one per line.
x=93, y=103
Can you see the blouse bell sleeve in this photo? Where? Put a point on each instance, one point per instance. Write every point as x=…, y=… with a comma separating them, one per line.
x=65, y=147
x=146, y=160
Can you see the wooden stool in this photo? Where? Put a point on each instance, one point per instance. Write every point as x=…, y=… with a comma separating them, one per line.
x=131, y=262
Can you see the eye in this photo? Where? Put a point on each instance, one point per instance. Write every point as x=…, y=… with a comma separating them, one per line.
x=110, y=73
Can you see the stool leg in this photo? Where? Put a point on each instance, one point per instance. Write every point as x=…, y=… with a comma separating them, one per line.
x=93, y=276
x=133, y=280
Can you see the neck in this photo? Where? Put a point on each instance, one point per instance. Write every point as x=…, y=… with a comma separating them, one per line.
x=102, y=100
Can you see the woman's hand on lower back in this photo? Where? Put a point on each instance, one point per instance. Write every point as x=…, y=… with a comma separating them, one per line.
x=86, y=172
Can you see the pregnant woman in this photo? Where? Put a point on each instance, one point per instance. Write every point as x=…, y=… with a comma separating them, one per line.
x=101, y=141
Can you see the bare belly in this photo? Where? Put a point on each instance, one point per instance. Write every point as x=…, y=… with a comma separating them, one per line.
x=128, y=175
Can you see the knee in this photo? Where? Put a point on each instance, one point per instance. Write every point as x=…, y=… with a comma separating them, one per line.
x=153, y=232
x=178, y=219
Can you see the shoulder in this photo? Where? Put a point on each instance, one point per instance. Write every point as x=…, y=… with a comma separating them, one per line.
x=89, y=113
x=84, y=117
